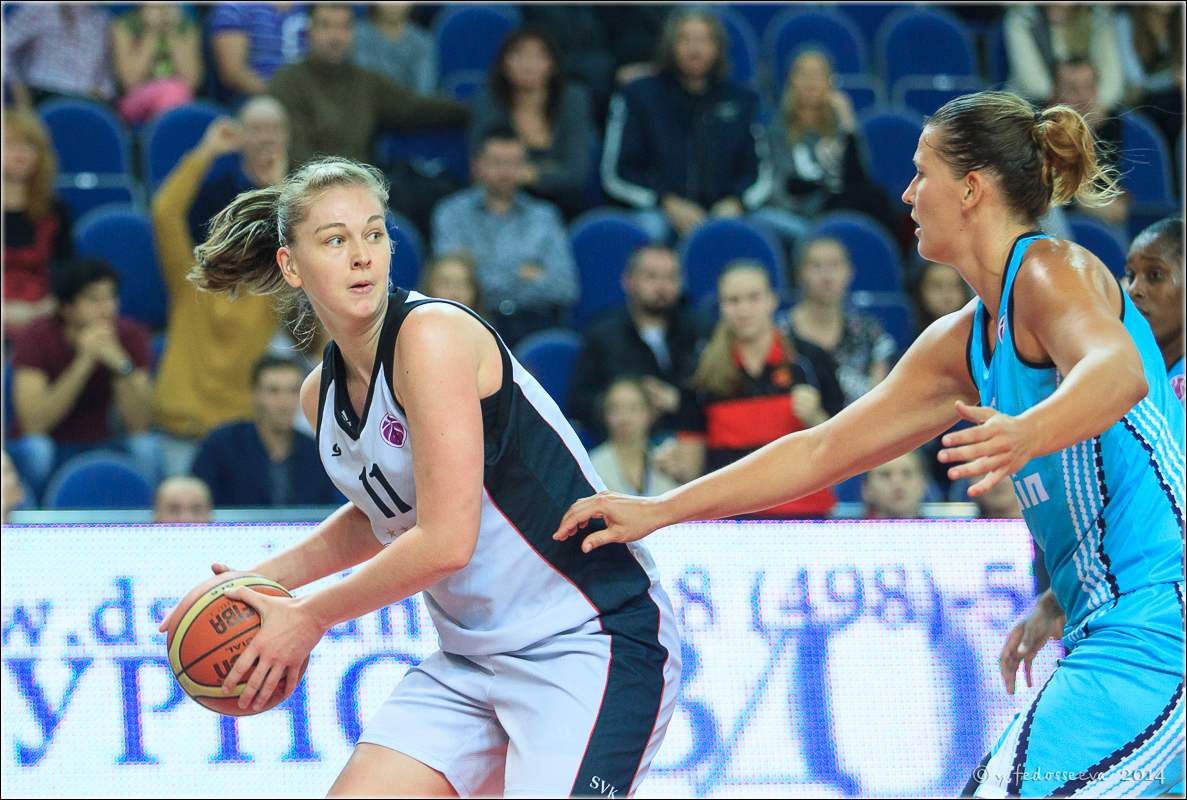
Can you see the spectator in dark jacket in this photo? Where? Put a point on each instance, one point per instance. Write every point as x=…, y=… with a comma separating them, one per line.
x=266, y=462
x=655, y=337
x=683, y=145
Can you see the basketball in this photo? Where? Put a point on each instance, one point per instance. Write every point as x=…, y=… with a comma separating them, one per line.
x=208, y=633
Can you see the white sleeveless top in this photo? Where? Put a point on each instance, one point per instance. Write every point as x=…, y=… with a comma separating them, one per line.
x=521, y=586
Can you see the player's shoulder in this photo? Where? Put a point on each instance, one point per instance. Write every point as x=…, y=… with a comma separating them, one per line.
x=1052, y=267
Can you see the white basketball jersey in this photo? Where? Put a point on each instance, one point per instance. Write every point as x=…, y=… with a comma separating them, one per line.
x=521, y=586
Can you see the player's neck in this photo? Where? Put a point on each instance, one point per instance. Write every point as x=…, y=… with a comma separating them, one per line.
x=983, y=263
x=1173, y=348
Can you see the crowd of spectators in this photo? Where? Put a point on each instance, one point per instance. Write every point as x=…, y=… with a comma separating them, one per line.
x=633, y=107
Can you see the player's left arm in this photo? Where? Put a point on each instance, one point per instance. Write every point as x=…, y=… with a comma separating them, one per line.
x=440, y=360
x=1064, y=312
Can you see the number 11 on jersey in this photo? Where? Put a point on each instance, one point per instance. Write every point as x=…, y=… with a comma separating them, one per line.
x=378, y=475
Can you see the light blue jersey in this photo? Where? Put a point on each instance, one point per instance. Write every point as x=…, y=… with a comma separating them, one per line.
x=1175, y=373
x=1108, y=513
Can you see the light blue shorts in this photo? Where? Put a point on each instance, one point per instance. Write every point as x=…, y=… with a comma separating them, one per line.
x=1110, y=721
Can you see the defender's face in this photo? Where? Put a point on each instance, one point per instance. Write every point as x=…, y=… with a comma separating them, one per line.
x=1154, y=282
x=935, y=197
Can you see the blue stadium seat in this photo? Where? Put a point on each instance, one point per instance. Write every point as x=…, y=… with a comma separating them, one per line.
x=997, y=60
x=408, y=252
x=550, y=355
x=891, y=136
x=892, y=310
x=1101, y=239
x=877, y=265
x=87, y=137
x=464, y=84
x=706, y=251
x=468, y=36
x=759, y=15
x=99, y=480
x=864, y=92
x=798, y=28
x=84, y=191
x=432, y=152
x=122, y=235
x=743, y=46
x=869, y=16
x=948, y=49
x=927, y=93
x=1146, y=165
x=171, y=135
x=603, y=241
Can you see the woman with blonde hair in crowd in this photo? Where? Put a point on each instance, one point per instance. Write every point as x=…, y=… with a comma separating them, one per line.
x=816, y=155
x=36, y=221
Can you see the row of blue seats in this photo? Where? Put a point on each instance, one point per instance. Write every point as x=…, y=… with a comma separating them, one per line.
x=93, y=147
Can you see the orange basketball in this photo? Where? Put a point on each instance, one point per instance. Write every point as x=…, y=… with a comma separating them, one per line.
x=207, y=634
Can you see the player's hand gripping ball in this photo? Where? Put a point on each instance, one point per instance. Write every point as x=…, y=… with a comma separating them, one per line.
x=207, y=633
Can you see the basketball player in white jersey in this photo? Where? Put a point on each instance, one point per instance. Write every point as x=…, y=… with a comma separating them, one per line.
x=557, y=674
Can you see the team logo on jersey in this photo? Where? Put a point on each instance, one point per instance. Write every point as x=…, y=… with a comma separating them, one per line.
x=1001, y=328
x=1177, y=386
x=393, y=432
x=336, y=451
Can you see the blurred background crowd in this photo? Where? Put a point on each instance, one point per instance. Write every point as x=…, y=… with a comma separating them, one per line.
x=685, y=220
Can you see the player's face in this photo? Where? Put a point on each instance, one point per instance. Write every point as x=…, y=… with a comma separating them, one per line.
x=276, y=395
x=342, y=254
x=695, y=48
x=628, y=417
x=654, y=283
x=747, y=304
x=935, y=197
x=825, y=272
x=1154, y=282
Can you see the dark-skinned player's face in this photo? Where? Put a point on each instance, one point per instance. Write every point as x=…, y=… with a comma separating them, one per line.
x=1154, y=281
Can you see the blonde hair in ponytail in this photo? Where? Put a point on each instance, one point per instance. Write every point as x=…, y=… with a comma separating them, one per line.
x=1070, y=167
x=1039, y=158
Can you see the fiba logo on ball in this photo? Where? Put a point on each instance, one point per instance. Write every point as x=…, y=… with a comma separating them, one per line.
x=393, y=432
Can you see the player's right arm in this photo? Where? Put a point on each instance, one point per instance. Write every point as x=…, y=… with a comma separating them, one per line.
x=915, y=403
x=343, y=540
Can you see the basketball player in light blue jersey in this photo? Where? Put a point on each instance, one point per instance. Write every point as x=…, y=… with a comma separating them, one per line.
x=1067, y=390
x=1154, y=282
